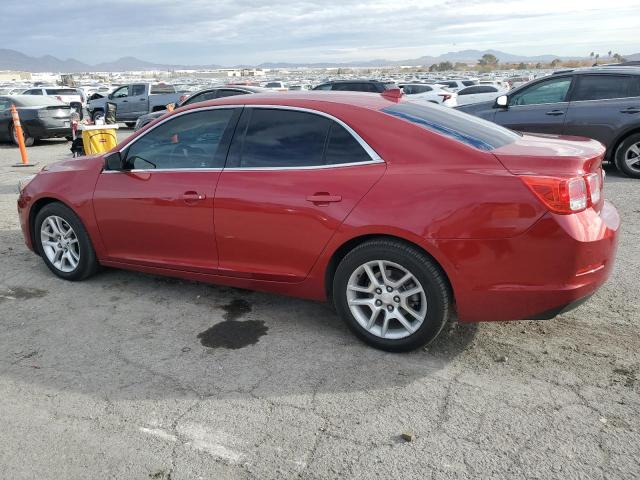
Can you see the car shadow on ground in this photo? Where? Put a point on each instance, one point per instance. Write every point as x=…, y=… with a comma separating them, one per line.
x=129, y=335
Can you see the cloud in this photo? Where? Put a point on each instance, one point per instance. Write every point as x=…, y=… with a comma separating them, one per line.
x=250, y=31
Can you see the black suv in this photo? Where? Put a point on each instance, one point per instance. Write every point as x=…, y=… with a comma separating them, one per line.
x=598, y=102
x=371, y=86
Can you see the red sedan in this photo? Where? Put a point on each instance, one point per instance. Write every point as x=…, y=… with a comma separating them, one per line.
x=401, y=214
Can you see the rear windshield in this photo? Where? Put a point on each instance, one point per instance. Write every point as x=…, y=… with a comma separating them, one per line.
x=35, y=101
x=462, y=127
x=62, y=91
x=162, y=88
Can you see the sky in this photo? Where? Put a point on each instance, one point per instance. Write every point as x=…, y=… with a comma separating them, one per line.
x=202, y=32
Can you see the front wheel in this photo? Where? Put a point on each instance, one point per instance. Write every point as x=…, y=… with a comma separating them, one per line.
x=98, y=115
x=392, y=295
x=628, y=156
x=63, y=243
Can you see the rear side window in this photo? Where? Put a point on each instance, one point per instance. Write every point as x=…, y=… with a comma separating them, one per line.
x=342, y=147
x=283, y=138
x=275, y=138
x=229, y=93
x=324, y=86
x=600, y=87
x=464, y=128
x=355, y=87
x=62, y=91
x=137, y=90
x=468, y=83
x=413, y=89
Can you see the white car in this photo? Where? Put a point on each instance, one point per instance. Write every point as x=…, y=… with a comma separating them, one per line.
x=479, y=93
x=455, y=85
x=277, y=85
x=64, y=94
x=429, y=93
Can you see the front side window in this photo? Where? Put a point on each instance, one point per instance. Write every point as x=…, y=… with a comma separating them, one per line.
x=200, y=97
x=601, y=87
x=276, y=138
x=190, y=140
x=121, y=92
x=549, y=91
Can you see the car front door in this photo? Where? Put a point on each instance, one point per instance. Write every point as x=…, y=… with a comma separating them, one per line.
x=291, y=178
x=138, y=101
x=540, y=107
x=603, y=106
x=120, y=97
x=158, y=211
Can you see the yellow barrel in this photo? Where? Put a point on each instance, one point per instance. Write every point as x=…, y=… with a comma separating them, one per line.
x=98, y=138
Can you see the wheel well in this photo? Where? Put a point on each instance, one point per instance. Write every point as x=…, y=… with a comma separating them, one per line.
x=612, y=153
x=37, y=206
x=345, y=248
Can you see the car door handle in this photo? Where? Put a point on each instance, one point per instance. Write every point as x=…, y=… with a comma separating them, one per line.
x=555, y=113
x=323, y=198
x=125, y=101
x=631, y=110
x=141, y=100
x=193, y=197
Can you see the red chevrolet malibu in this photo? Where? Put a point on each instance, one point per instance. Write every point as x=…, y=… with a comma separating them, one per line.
x=400, y=213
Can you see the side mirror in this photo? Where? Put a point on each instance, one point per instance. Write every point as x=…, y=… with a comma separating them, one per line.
x=113, y=161
x=502, y=101
x=110, y=96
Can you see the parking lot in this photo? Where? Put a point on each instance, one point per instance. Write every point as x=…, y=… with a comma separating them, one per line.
x=132, y=376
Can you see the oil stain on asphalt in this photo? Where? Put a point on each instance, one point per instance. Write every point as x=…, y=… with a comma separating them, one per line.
x=231, y=333
x=21, y=293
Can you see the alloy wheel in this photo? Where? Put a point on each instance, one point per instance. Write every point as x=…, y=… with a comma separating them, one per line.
x=632, y=157
x=60, y=243
x=386, y=299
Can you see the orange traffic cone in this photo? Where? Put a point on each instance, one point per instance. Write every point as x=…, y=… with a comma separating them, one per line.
x=20, y=137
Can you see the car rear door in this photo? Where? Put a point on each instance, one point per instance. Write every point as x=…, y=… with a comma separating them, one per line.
x=603, y=105
x=540, y=107
x=159, y=212
x=138, y=102
x=291, y=178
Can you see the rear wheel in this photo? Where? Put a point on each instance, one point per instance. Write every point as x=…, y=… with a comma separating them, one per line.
x=28, y=140
x=392, y=295
x=63, y=243
x=628, y=156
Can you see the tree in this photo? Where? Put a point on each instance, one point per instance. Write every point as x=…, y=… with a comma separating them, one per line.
x=488, y=60
x=522, y=66
x=597, y=57
x=445, y=66
x=555, y=62
x=609, y=53
x=538, y=65
x=591, y=55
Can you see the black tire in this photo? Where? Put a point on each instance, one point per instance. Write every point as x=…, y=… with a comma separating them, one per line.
x=28, y=140
x=623, y=151
x=87, y=263
x=96, y=115
x=433, y=281
x=130, y=124
x=69, y=138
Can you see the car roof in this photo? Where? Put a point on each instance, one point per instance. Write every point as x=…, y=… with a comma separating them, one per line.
x=355, y=80
x=312, y=99
x=603, y=69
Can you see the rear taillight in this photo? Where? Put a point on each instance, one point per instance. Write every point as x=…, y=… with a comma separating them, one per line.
x=445, y=96
x=59, y=97
x=566, y=195
x=182, y=98
x=594, y=185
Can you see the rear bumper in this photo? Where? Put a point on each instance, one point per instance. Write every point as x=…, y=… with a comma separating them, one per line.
x=49, y=128
x=560, y=261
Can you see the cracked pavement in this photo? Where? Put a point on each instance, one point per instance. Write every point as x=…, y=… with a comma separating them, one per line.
x=108, y=378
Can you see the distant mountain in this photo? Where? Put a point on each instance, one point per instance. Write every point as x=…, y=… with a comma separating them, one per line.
x=14, y=60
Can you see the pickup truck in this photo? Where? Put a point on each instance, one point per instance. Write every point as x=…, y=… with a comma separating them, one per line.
x=134, y=100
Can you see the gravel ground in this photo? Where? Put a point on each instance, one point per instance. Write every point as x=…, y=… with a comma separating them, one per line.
x=111, y=378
